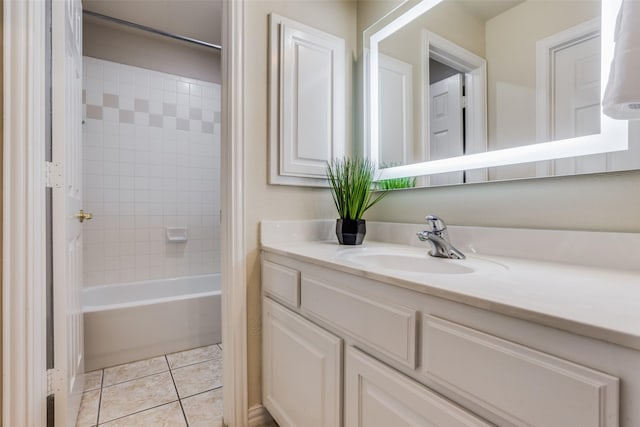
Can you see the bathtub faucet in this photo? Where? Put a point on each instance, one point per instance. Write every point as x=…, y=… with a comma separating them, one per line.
x=438, y=237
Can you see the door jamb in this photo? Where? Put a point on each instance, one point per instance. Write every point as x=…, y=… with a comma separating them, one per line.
x=234, y=281
x=24, y=377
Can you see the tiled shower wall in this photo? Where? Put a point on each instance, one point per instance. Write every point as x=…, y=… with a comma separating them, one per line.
x=151, y=157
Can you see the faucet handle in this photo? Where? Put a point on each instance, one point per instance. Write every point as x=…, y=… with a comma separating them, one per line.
x=436, y=223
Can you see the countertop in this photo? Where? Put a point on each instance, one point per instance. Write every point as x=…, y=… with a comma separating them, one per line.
x=602, y=303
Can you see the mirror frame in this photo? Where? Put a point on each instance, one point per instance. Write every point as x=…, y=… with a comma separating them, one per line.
x=612, y=137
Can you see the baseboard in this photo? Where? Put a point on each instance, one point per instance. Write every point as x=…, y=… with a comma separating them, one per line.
x=260, y=417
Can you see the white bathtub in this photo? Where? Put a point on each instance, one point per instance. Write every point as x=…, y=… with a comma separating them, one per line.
x=133, y=321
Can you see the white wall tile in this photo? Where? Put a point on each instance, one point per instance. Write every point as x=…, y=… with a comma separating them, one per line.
x=139, y=179
x=156, y=95
x=126, y=100
x=170, y=84
x=182, y=99
x=183, y=87
x=170, y=97
x=110, y=87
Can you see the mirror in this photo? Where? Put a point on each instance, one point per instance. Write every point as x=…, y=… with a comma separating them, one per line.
x=455, y=88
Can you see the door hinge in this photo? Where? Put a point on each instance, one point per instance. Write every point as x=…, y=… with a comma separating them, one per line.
x=55, y=381
x=54, y=175
x=464, y=102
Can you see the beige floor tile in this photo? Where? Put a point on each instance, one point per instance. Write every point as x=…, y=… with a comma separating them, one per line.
x=205, y=409
x=196, y=355
x=130, y=371
x=88, y=415
x=136, y=395
x=92, y=380
x=194, y=379
x=163, y=416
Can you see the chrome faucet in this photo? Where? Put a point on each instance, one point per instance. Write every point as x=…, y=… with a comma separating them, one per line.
x=438, y=237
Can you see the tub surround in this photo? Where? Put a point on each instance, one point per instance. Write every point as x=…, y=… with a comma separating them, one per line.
x=539, y=338
x=583, y=282
x=151, y=157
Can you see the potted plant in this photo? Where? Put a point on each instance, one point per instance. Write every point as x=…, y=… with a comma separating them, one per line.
x=352, y=186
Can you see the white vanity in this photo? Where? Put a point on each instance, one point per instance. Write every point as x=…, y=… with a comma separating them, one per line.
x=384, y=335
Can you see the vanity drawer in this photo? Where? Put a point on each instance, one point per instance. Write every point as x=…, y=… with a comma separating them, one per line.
x=281, y=283
x=382, y=326
x=379, y=396
x=524, y=386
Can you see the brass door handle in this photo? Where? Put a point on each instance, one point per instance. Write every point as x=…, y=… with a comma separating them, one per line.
x=82, y=215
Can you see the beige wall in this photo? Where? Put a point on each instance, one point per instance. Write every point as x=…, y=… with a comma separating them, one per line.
x=265, y=201
x=133, y=47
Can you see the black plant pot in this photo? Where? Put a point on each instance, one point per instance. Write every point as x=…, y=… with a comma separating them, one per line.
x=350, y=232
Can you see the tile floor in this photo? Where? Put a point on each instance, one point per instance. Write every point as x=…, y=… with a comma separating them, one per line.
x=175, y=390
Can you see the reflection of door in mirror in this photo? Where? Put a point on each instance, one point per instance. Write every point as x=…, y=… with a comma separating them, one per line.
x=396, y=89
x=568, y=74
x=446, y=132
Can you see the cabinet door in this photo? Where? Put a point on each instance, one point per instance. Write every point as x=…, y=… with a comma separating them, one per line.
x=378, y=396
x=301, y=370
x=524, y=386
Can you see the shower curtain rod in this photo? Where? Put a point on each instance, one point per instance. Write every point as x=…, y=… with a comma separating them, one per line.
x=152, y=30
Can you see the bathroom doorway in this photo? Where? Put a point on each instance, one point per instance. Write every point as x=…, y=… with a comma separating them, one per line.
x=151, y=140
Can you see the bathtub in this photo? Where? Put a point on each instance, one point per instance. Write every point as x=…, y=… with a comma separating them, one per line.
x=133, y=321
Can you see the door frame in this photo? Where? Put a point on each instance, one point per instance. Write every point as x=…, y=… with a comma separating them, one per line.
x=234, y=269
x=474, y=68
x=24, y=374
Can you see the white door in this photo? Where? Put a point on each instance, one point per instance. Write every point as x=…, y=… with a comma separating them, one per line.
x=576, y=101
x=446, y=137
x=68, y=380
x=396, y=111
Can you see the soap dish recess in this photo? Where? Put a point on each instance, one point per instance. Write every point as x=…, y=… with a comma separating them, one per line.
x=176, y=234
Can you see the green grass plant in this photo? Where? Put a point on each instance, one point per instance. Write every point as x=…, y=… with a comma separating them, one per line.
x=352, y=186
x=397, y=183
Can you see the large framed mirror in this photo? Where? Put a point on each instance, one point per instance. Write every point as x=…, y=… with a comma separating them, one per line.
x=462, y=91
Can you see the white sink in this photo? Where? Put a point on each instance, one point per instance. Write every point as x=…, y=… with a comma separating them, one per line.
x=410, y=260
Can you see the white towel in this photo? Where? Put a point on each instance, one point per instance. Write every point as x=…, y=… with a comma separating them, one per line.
x=622, y=96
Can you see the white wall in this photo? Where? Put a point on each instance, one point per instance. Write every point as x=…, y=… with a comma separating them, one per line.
x=151, y=157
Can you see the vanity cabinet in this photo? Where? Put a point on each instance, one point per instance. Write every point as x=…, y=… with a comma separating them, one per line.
x=413, y=359
x=378, y=396
x=302, y=366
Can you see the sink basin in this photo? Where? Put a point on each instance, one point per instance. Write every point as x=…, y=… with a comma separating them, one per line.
x=409, y=260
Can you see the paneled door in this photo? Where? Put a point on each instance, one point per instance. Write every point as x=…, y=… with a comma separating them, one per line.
x=396, y=108
x=446, y=136
x=576, y=101
x=67, y=217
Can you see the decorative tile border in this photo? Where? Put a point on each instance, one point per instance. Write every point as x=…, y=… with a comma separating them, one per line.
x=192, y=121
